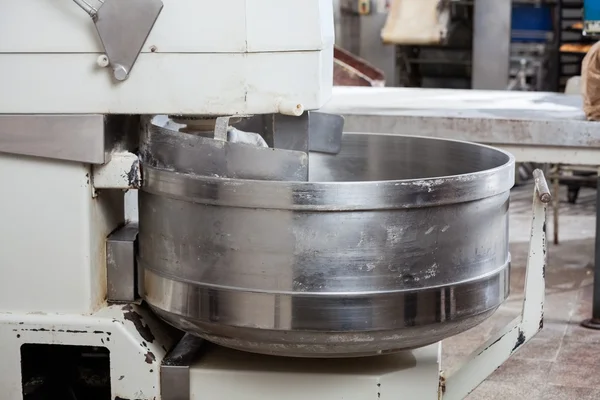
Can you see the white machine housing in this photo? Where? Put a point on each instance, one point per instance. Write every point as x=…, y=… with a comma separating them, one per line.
x=201, y=57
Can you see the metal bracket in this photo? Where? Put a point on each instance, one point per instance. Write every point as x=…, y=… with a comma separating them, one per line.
x=121, y=264
x=175, y=368
x=311, y=132
x=123, y=27
x=503, y=344
x=121, y=172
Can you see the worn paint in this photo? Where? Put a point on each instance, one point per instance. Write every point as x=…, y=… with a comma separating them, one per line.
x=491, y=345
x=150, y=357
x=142, y=328
x=442, y=383
x=134, y=176
x=519, y=342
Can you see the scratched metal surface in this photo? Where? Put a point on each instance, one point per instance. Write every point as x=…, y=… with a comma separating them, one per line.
x=395, y=243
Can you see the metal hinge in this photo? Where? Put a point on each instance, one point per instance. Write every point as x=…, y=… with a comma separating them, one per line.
x=123, y=27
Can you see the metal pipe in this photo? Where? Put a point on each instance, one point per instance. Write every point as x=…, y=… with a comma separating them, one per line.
x=541, y=186
x=555, y=206
x=594, y=322
x=596, y=301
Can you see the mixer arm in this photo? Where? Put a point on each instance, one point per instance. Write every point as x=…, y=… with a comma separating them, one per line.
x=487, y=358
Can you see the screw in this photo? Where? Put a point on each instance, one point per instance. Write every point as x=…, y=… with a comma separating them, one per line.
x=152, y=48
x=102, y=61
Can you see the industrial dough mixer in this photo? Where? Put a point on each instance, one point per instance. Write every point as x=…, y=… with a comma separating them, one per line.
x=262, y=226
x=393, y=243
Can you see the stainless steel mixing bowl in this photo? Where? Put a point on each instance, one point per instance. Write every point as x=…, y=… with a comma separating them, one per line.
x=397, y=242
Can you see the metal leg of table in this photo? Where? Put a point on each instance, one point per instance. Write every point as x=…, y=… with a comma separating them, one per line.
x=555, y=206
x=594, y=322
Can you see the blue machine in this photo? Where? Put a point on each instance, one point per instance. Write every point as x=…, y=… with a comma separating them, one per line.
x=531, y=23
x=591, y=17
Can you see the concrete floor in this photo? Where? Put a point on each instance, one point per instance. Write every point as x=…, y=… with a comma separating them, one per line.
x=563, y=360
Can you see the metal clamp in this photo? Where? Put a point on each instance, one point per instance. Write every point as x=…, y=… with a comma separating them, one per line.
x=493, y=353
x=123, y=27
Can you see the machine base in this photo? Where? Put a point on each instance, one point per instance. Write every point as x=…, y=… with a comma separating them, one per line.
x=222, y=373
x=134, y=340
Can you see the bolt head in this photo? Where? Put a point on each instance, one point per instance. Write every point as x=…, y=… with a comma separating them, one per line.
x=102, y=61
x=120, y=72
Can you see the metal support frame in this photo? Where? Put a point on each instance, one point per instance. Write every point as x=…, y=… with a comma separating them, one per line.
x=488, y=357
x=121, y=172
x=135, y=338
x=594, y=322
x=86, y=138
x=555, y=206
x=123, y=28
x=121, y=264
x=175, y=369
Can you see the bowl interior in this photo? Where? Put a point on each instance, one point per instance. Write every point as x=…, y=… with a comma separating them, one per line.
x=377, y=157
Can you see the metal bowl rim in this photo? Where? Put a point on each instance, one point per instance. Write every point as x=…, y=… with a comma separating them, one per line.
x=334, y=196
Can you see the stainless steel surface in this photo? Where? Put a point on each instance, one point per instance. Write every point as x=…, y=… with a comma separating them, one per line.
x=533, y=126
x=120, y=264
x=288, y=132
x=89, y=6
x=444, y=103
x=491, y=44
x=312, y=131
x=175, y=368
x=325, y=132
x=123, y=27
x=493, y=131
x=396, y=242
x=164, y=146
x=83, y=138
